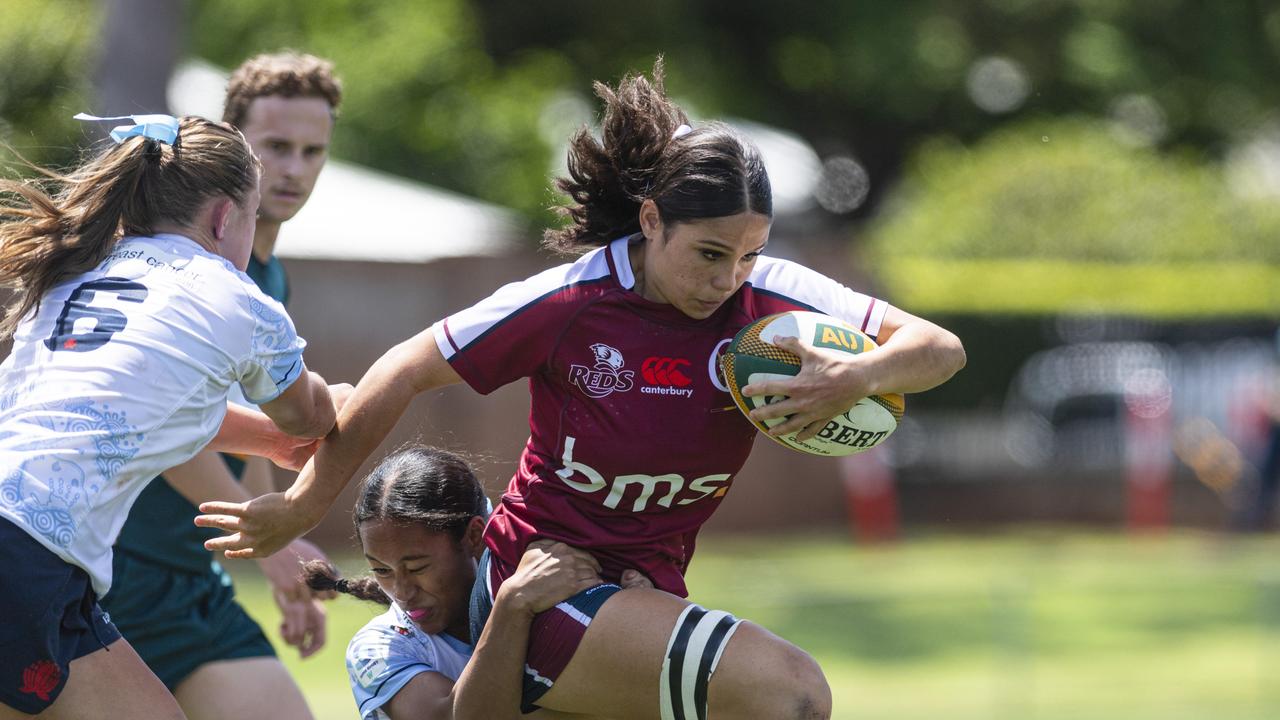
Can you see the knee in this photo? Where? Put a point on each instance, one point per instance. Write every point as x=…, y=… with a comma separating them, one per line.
x=806, y=693
x=779, y=680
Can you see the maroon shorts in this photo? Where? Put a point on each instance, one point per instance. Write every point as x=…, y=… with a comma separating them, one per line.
x=554, y=635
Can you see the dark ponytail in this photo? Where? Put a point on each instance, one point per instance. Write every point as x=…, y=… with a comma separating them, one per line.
x=708, y=172
x=323, y=577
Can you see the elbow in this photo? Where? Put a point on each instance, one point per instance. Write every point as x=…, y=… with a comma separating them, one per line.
x=953, y=353
x=314, y=425
x=312, y=418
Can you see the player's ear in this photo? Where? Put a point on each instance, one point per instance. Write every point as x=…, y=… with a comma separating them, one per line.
x=650, y=219
x=473, y=537
x=219, y=217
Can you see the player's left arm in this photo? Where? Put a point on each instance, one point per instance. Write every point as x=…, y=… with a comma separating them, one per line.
x=914, y=355
x=268, y=523
x=248, y=432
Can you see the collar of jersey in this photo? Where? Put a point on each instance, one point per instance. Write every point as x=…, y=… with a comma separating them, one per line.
x=622, y=261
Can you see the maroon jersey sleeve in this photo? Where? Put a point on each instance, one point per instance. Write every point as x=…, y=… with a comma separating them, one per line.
x=511, y=333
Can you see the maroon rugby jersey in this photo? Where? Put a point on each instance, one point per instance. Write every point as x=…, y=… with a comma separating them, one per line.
x=634, y=440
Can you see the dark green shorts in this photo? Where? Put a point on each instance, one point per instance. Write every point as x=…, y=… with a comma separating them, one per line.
x=178, y=621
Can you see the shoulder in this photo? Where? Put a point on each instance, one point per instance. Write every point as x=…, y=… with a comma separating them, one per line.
x=531, y=307
x=780, y=273
x=387, y=629
x=384, y=645
x=565, y=281
x=778, y=285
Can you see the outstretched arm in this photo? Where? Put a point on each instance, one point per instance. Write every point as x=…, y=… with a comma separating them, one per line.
x=245, y=431
x=914, y=355
x=270, y=522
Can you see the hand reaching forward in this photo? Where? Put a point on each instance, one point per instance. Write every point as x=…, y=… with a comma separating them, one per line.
x=255, y=529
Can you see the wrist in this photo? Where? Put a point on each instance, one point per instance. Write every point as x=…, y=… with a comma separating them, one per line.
x=301, y=502
x=861, y=375
x=511, y=599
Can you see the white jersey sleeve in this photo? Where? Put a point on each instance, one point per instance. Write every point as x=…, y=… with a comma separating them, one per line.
x=795, y=284
x=390, y=651
x=274, y=360
x=121, y=373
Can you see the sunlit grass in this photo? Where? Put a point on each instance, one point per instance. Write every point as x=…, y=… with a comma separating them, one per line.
x=1034, y=624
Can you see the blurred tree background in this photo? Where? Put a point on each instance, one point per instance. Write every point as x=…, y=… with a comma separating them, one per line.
x=1061, y=131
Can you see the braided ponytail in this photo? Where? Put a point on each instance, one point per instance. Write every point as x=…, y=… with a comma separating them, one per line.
x=323, y=577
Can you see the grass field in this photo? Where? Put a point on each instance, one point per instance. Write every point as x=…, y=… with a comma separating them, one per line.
x=1043, y=624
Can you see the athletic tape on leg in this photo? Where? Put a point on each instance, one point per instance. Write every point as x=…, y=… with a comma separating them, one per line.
x=693, y=652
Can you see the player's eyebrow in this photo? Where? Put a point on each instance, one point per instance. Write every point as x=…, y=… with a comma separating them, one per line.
x=406, y=558
x=713, y=244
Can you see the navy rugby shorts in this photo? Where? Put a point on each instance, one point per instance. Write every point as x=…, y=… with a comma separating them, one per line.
x=51, y=617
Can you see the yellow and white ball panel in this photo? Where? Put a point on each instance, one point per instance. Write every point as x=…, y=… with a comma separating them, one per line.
x=752, y=357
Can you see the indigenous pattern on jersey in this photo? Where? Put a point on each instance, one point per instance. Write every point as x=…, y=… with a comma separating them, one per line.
x=389, y=651
x=634, y=439
x=123, y=372
x=159, y=528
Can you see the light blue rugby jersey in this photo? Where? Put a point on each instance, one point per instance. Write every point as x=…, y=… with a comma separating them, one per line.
x=121, y=373
x=389, y=651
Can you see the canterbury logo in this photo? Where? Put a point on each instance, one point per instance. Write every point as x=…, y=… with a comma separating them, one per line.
x=665, y=371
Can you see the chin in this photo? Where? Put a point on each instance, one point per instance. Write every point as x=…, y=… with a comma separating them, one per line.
x=699, y=312
x=278, y=216
x=432, y=627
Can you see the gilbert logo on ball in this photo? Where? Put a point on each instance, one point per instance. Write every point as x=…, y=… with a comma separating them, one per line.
x=752, y=357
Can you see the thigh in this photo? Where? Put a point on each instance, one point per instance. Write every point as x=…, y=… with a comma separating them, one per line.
x=616, y=670
x=180, y=621
x=112, y=682
x=247, y=689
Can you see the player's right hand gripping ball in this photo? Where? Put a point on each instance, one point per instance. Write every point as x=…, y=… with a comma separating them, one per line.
x=752, y=357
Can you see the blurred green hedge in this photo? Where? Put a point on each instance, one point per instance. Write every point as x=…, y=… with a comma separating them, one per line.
x=1068, y=217
x=44, y=50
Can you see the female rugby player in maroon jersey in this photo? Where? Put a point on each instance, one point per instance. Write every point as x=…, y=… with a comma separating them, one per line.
x=626, y=457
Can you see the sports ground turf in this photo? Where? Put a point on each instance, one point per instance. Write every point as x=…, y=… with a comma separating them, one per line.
x=1043, y=624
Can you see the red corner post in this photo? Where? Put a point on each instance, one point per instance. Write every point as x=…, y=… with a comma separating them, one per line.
x=871, y=495
x=1148, y=429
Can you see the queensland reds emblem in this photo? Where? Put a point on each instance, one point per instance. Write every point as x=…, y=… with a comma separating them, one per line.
x=40, y=678
x=606, y=376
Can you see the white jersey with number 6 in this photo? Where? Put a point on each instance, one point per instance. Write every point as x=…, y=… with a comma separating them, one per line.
x=121, y=373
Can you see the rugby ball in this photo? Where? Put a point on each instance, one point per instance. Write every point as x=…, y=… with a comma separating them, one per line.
x=752, y=357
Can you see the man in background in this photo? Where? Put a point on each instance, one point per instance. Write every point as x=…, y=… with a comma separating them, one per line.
x=171, y=600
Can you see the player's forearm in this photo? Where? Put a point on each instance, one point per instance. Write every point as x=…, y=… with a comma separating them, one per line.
x=205, y=477
x=489, y=688
x=918, y=356
x=258, y=477
x=246, y=432
x=310, y=414
x=372, y=410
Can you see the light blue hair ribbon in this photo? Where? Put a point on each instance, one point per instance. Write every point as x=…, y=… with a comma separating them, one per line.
x=162, y=128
